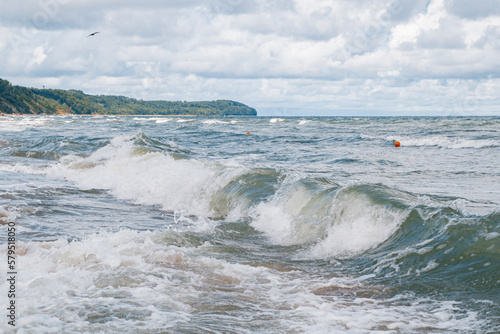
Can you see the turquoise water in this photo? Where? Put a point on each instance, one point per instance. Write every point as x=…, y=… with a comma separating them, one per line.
x=305, y=225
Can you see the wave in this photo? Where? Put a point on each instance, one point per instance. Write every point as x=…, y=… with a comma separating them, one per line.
x=169, y=281
x=215, y=121
x=138, y=169
x=422, y=245
x=359, y=222
x=148, y=118
x=395, y=236
x=288, y=209
x=445, y=142
x=49, y=148
x=164, y=120
x=333, y=222
x=438, y=141
x=19, y=123
x=325, y=219
x=116, y=281
x=446, y=249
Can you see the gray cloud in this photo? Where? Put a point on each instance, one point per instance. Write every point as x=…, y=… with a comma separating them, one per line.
x=474, y=9
x=403, y=10
x=275, y=55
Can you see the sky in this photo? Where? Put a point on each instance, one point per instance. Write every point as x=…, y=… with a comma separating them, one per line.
x=282, y=57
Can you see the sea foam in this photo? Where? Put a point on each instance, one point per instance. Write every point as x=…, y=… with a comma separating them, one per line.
x=131, y=279
x=144, y=177
x=334, y=223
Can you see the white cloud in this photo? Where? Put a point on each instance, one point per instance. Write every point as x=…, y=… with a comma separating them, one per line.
x=448, y=34
x=39, y=56
x=322, y=56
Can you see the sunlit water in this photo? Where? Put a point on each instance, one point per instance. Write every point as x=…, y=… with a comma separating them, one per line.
x=305, y=225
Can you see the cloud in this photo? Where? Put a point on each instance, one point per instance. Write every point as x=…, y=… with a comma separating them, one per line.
x=447, y=35
x=380, y=56
x=474, y=9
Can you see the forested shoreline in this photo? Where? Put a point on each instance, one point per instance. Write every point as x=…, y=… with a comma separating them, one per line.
x=23, y=100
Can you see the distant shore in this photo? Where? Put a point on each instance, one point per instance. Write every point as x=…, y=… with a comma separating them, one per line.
x=23, y=100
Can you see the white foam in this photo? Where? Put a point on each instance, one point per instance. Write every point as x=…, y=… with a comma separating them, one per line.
x=150, y=178
x=430, y=266
x=451, y=143
x=65, y=285
x=138, y=281
x=152, y=119
x=438, y=141
x=492, y=235
x=286, y=219
x=366, y=315
x=20, y=168
x=163, y=120
x=357, y=225
x=19, y=123
x=214, y=121
x=276, y=120
x=7, y=215
x=343, y=225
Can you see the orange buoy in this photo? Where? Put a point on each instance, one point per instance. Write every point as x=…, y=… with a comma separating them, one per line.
x=248, y=133
x=397, y=144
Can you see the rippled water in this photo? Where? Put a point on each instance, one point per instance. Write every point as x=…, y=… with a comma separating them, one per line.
x=304, y=225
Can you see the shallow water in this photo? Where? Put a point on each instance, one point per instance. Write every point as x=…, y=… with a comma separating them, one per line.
x=305, y=225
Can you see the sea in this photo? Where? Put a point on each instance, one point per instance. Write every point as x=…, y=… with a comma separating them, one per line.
x=128, y=224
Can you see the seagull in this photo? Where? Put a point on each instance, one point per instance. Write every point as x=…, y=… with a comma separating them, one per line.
x=93, y=34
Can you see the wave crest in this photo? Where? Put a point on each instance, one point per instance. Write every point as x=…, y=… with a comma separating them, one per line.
x=148, y=175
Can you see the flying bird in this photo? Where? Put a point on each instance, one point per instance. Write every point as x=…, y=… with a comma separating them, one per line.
x=93, y=34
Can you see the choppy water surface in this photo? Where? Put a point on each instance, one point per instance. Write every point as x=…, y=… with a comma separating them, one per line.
x=305, y=225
